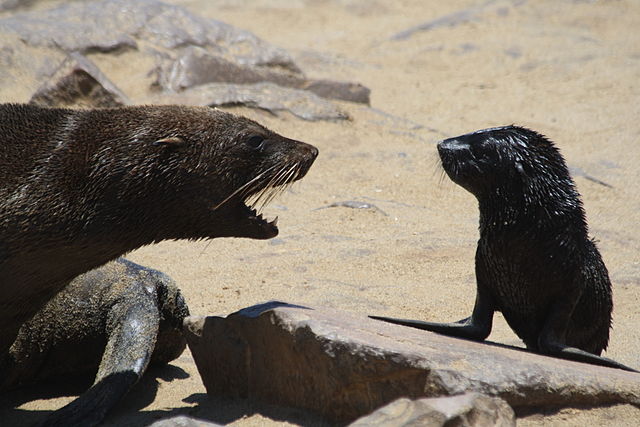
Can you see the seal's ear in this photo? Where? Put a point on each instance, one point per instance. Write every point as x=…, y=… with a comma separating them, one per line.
x=170, y=142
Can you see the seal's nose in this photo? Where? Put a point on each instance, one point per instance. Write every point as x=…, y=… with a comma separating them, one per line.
x=313, y=151
x=452, y=144
x=307, y=155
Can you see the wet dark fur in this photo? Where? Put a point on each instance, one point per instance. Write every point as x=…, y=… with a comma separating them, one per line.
x=68, y=337
x=79, y=188
x=534, y=249
x=535, y=262
x=104, y=328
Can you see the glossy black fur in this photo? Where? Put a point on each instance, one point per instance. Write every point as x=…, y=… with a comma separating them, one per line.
x=535, y=262
x=533, y=249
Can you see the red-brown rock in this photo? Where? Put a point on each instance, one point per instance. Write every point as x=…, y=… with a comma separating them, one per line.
x=469, y=409
x=344, y=366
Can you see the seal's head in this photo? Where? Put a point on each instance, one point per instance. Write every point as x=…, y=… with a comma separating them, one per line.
x=229, y=167
x=176, y=172
x=510, y=163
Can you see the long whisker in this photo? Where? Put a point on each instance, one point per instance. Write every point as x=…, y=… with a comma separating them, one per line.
x=280, y=186
x=242, y=187
x=253, y=199
x=264, y=195
x=285, y=184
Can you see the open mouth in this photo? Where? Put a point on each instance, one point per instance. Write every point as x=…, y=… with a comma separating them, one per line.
x=257, y=221
x=250, y=199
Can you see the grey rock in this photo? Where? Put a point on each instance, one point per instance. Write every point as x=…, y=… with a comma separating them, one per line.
x=82, y=27
x=577, y=171
x=183, y=421
x=469, y=409
x=23, y=68
x=14, y=4
x=185, y=52
x=78, y=82
x=266, y=96
x=463, y=16
x=346, y=91
x=197, y=66
x=344, y=366
x=355, y=204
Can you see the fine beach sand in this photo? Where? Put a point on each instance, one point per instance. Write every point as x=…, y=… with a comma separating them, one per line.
x=568, y=69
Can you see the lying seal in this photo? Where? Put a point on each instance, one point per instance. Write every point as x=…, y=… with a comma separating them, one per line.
x=114, y=320
x=535, y=262
x=79, y=188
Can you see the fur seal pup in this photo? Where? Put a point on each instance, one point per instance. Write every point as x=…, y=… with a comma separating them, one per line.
x=114, y=320
x=535, y=262
x=79, y=188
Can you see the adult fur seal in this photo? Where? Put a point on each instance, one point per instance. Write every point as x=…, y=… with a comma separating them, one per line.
x=535, y=262
x=79, y=188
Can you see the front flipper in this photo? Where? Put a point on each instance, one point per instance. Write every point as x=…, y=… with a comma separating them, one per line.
x=92, y=406
x=132, y=329
x=553, y=337
x=571, y=353
x=464, y=328
x=477, y=327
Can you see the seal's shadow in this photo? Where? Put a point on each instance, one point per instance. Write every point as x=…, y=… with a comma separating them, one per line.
x=218, y=410
x=223, y=411
x=140, y=396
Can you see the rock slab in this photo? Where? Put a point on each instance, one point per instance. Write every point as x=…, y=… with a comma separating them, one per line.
x=177, y=56
x=78, y=82
x=469, y=409
x=344, y=366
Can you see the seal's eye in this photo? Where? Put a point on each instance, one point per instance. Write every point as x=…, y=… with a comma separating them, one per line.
x=256, y=142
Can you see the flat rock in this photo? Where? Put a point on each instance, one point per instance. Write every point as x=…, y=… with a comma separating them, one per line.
x=471, y=14
x=108, y=25
x=78, y=82
x=265, y=96
x=469, y=409
x=50, y=51
x=13, y=4
x=343, y=365
x=198, y=66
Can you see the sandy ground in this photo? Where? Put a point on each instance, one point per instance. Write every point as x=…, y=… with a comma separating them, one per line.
x=569, y=69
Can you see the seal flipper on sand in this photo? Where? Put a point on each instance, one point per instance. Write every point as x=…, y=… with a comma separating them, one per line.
x=132, y=328
x=110, y=320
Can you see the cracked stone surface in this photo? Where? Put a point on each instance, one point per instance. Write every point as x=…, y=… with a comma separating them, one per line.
x=343, y=366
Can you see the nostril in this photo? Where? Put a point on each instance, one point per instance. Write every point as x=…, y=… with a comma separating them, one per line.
x=314, y=151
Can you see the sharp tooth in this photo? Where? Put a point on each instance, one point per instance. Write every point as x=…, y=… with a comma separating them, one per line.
x=275, y=221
